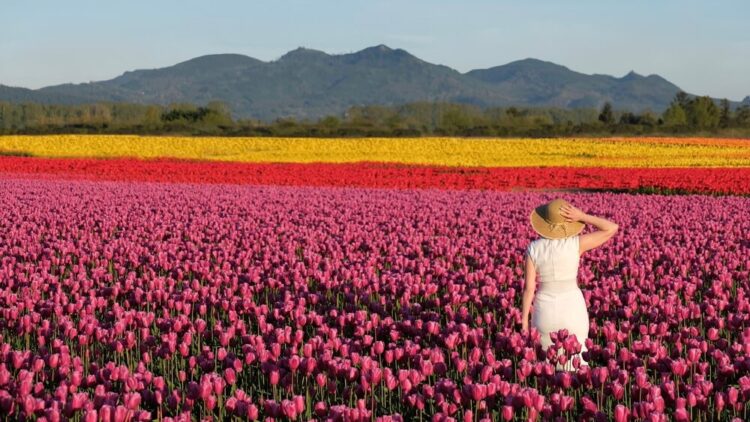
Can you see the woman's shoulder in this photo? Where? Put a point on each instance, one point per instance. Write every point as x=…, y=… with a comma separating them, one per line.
x=555, y=243
x=532, y=246
x=572, y=243
x=540, y=241
x=542, y=245
x=537, y=242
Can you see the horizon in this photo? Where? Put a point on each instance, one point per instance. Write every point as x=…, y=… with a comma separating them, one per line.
x=390, y=47
x=694, y=44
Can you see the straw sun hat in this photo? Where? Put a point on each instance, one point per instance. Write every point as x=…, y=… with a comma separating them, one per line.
x=547, y=221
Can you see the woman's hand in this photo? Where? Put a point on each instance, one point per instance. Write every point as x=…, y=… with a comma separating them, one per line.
x=572, y=213
x=525, y=325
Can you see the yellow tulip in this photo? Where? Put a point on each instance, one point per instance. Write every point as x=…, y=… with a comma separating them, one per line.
x=482, y=152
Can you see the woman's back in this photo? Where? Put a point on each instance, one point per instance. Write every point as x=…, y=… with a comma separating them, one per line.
x=558, y=302
x=556, y=261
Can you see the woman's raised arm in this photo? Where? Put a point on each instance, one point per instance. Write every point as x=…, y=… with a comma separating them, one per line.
x=589, y=241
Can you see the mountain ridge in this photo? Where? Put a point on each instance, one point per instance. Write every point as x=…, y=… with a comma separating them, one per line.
x=309, y=83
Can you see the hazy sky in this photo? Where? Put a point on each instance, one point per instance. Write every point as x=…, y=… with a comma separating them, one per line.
x=702, y=46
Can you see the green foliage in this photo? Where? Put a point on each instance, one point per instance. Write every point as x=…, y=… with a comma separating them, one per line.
x=702, y=113
x=215, y=114
x=686, y=115
x=742, y=116
x=675, y=116
x=607, y=116
x=725, y=116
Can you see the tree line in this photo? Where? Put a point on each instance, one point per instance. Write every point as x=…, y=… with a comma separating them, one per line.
x=686, y=115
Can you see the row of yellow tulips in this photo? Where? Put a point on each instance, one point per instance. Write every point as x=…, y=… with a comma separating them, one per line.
x=572, y=152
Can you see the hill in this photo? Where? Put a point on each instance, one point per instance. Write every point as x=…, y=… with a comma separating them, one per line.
x=307, y=83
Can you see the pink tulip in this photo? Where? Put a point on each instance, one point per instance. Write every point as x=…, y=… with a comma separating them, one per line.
x=362, y=292
x=289, y=409
x=274, y=377
x=230, y=376
x=321, y=409
x=719, y=402
x=106, y=413
x=681, y=415
x=294, y=363
x=252, y=412
x=91, y=416
x=678, y=367
x=507, y=413
x=132, y=401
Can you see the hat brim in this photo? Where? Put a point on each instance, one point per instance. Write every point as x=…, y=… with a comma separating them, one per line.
x=559, y=232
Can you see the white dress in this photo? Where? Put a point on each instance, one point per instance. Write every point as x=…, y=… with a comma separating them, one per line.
x=558, y=302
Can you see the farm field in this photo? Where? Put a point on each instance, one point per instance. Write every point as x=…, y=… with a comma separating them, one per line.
x=706, y=180
x=151, y=278
x=468, y=152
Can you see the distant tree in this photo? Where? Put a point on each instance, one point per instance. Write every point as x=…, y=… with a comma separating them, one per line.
x=686, y=114
x=208, y=118
x=285, y=122
x=512, y=112
x=6, y=115
x=455, y=119
x=725, y=115
x=644, y=119
x=152, y=116
x=647, y=118
x=100, y=114
x=675, y=115
x=703, y=113
x=607, y=115
x=220, y=110
x=330, y=122
x=742, y=116
x=682, y=98
x=628, y=118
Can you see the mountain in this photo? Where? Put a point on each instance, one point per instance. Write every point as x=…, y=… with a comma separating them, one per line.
x=536, y=82
x=307, y=83
x=24, y=95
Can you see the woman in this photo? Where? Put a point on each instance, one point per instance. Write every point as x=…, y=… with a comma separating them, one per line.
x=559, y=303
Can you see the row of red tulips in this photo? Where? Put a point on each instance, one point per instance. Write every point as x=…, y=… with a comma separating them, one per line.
x=379, y=175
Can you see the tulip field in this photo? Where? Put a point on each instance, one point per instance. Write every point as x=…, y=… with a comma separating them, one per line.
x=180, y=279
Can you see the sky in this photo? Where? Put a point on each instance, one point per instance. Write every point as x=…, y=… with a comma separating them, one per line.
x=701, y=46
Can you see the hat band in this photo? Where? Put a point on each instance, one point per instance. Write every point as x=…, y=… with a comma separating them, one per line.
x=552, y=226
